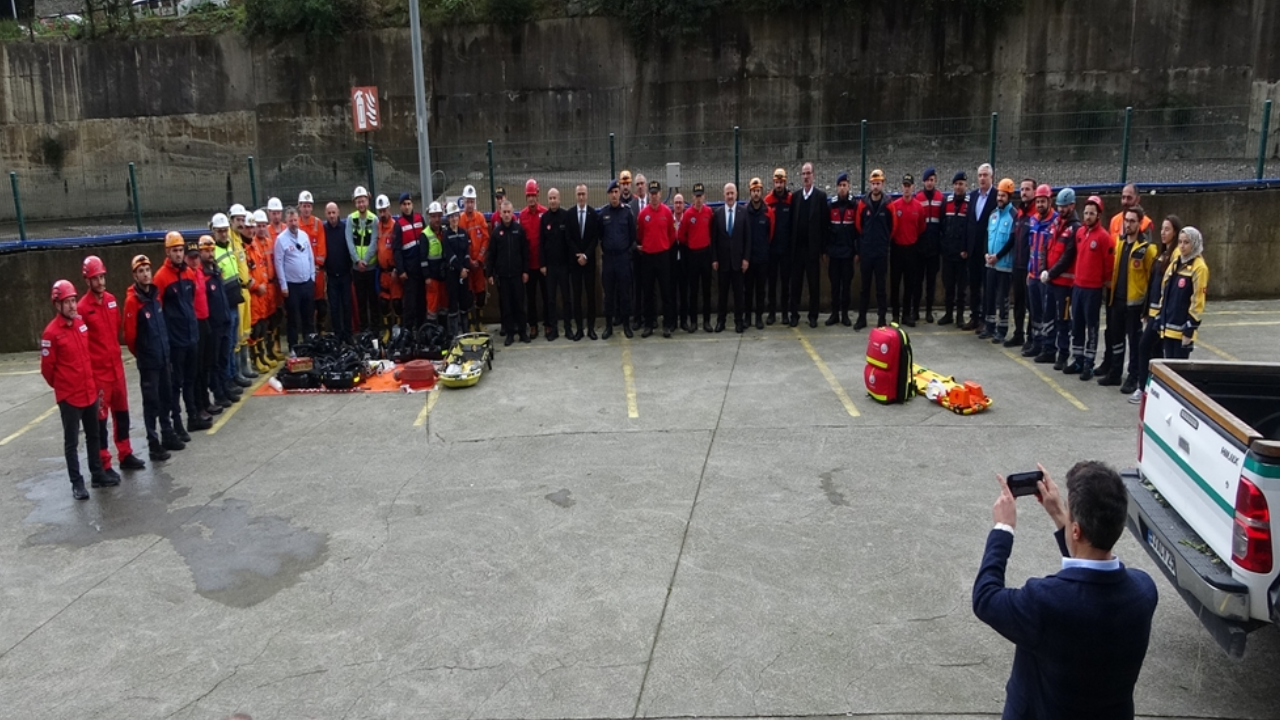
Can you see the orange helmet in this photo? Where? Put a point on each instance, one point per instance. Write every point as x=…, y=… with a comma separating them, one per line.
x=63, y=289
x=173, y=239
x=93, y=267
x=1006, y=186
x=139, y=261
x=206, y=241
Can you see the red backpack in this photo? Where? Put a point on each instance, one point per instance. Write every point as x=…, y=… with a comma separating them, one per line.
x=888, y=374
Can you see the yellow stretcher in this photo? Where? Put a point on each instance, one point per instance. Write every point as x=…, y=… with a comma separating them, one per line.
x=965, y=398
x=466, y=361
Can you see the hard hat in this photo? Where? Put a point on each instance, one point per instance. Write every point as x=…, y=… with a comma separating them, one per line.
x=206, y=241
x=435, y=209
x=173, y=239
x=1066, y=196
x=755, y=183
x=452, y=209
x=275, y=205
x=220, y=221
x=93, y=267
x=249, y=220
x=260, y=217
x=1094, y=200
x=63, y=289
x=877, y=174
x=383, y=202
x=780, y=174
x=624, y=176
x=359, y=192
x=237, y=209
x=305, y=197
x=469, y=192
x=531, y=187
x=139, y=261
x=1044, y=191
x=1006, y=186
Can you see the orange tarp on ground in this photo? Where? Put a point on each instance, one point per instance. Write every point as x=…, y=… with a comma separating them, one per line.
x=385, y=382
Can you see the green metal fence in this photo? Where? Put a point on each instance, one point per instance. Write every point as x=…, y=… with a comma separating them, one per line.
x=181, y=189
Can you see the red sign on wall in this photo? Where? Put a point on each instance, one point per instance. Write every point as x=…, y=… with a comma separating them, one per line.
x=364, y=108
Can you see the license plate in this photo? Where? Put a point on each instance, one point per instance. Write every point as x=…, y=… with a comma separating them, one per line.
x=1163, y=553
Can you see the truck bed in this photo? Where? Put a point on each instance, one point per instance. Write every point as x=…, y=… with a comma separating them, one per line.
x=1250, y=392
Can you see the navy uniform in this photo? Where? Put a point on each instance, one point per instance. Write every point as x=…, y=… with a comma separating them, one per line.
x=841, y=247
x=508, y=262
x=617, y=243
x=407, y=245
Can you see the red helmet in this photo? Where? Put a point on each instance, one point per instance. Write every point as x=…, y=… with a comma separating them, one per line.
x=531, y=187
x=63, y=289
x=93, y=267
x=1044, y=191
x=1094, y=199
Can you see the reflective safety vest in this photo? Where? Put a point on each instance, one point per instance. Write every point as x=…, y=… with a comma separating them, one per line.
x=225, y=257
x=363, y=232
x=435, y=249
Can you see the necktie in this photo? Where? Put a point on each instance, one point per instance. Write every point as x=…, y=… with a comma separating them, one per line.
x=729, y=224
x=582, y=223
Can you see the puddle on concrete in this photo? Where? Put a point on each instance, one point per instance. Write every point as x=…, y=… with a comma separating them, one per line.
x=561, y=498
x=235, y=558
x=834, y=496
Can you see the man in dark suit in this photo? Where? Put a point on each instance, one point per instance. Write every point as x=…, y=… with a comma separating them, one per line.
x=1081, y=635
x=584, y=239
x=981, y=203
x=729, y=238
x=810, y=221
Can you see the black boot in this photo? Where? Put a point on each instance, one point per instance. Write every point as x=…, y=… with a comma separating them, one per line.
x=156, y=450
x=946, y=319
x=1130, y=385
x=608, y=331
x=1111, y=379
x=132, y=462
x=1086, y=371
x=771, y=319
x=77, y=490
x=1016, y=341
x=1075, y=368
x=832, y=320
x=180, y=431
x=759, y=321
x=862, y=322
x=171, y=441
x=626, y=329
x=1061, y=361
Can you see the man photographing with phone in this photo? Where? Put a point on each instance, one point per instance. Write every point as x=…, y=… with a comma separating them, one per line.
x=1081, y=635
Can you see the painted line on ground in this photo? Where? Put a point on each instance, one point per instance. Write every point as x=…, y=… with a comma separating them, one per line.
x=244, y=398
x=1247, y=323
x=1048, y=380
x=19, y=432
x=425, y=413
x=1220, y=353
x=20, y=372
x=1243, y=312
x=836, y=387
x=629, y=380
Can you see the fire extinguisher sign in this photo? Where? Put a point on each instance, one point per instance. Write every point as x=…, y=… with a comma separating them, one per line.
x=364, y=108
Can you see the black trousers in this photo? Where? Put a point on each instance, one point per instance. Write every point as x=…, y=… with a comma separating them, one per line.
x=338, y=288
x=655, y=269
x=206, y=360
x=1086, y=314
x=873, y=270
x=753, y=289
x=679, y=283
x=726, y=281
x=1150, y=348
x=535, y=292
x=220, y=350
x=995, y=311
x=698, y=268
x=955, y=279
x=582, y=283
x=414, y=298
x=1173, y=349
x=777, y=277
x=1019, y=300
x=930, y=262
x=459, y=292
x=1124, y=326
x=804, y=270
x=182, y=363
x=511, y=302
x=1058, y=318
x=366, y=308
x=840, y=273
x=904, y=277
x=615, y=275
x=74, y=418
x=300, y=309
x=558, y=296
x=157, y=397
x=977, y=278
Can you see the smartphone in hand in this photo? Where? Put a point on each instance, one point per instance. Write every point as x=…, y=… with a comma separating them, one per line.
x=1024, y=483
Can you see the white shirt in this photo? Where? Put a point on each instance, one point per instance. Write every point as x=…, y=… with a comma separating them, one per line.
x=1112, y=564
x=808, y=192
x=982, y=202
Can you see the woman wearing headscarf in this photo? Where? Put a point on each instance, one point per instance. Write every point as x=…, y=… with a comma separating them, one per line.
x=1149, y=346
x=1186, y=284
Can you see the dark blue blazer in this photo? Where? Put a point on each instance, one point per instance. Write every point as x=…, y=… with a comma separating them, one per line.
x=1081, y=635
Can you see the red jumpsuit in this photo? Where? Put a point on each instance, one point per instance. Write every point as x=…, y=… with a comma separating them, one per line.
x=102, y=317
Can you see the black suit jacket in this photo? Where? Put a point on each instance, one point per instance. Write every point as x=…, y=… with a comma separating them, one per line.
x=1081, y=635
x=809, y=230
x=978, y=223
x=583, y=242
x=730, y=249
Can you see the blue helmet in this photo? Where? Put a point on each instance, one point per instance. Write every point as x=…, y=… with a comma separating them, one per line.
x=1066, y=196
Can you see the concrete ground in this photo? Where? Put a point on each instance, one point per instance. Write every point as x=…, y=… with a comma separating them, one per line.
x=719, y=526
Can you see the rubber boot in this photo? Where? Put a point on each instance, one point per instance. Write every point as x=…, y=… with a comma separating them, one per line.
x=246, y=368
x=239, y=378
x=256, y=353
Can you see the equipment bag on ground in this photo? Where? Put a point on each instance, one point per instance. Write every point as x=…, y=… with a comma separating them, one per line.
x=888, y=373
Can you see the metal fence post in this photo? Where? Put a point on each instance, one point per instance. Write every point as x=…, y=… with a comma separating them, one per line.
x=133, y=186
x=613, y=167
x=493, y=198
x=368, y=164
x=862, y=140
x=737, y=154
x=1262, y=142
x=991, y=143
x=1124, y=147
x=17, y=207
x=253, y=183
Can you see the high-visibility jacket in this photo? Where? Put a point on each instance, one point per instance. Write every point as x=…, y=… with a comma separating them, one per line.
x=1186, y=286
x=65, y=362
x=103, y=318
x=1134, y=261
x=1117, y=226
x=362, y=237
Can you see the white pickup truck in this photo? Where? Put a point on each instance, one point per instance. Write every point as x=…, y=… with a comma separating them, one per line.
x=1208, y=472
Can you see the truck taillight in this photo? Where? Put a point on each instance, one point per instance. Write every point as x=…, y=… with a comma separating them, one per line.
x=1251, y=539
x=1142, y=413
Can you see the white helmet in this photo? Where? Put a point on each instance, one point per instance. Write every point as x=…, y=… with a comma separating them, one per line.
x=469, y=192
x=237, y=210
x=383, y=202
x=274, y=204
x=219, y=222
x=435, y=209
x=305, y=197
x=452, y=208
x=359, y=192
x=260, y=217
x=249, y=220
